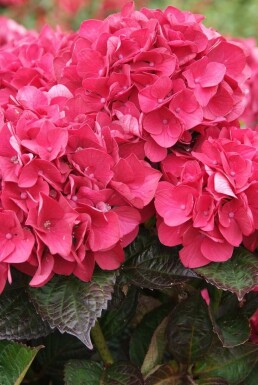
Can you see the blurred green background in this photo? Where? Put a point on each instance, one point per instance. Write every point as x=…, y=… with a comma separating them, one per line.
x=231, y=17
x=237, y=18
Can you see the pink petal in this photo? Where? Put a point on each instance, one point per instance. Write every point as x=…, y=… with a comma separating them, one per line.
x=110, y=259
x=174, y=204
x=84, y=269
x=222, y=185
x=171, y=236
x=191, y=256
x=44, y=271
x=216, y=251
x=231, y=56
x=129, y=219
x=153, y=151
x=4, y=267
x=23, y=248
x=232, y=233
x=213, y=75
x=105, y=230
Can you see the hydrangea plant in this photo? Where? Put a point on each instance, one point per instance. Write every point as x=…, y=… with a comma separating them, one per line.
x=128, y=206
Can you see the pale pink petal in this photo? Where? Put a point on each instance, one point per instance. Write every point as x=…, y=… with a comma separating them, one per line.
x=222, y=185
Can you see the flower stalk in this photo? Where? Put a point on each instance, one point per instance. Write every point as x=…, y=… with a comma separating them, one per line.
x=101, y=345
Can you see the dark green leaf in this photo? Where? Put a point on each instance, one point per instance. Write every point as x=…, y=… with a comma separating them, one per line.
x=227, y=304
x=18, y=317
x=15, y=360
x=190, y=331
x=212, y=381
x=83, y=373
x=123, y=373
x=234, y=364
x=120, y=312
x=92, y=373
x=164, y=375
x=232, y=331
x=250, y=304
x=73, y=306
x=59, y=348
x=146, y=303
x=252, y=378
x=142, y=242
x=142, y=335
x=229, y=321
x=154, y=266
x=239, y=274
x=156, y=348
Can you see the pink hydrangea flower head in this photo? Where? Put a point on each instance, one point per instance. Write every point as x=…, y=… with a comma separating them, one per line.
x=97, y=124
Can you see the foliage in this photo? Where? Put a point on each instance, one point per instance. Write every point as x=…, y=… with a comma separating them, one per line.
x=179, y=340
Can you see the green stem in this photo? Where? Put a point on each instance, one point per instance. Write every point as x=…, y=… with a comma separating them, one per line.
x=101, y=345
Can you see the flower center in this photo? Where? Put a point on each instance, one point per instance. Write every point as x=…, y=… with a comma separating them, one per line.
x=231, y=214
x=102, y=206
x=14, y=159
x=8, y=236
x=24, y=195
x=80, y=118
x=53, y=193
x=47, y=224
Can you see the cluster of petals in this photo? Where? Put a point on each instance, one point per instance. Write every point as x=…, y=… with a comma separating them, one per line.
x=157, y=75
x=207, y=200
x=250, y=114
x=69, y=199
x=84, y=119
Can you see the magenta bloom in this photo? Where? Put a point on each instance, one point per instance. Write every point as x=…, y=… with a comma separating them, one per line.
x=98, y=124
x=211, y=208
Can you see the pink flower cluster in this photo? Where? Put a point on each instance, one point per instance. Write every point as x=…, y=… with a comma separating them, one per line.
x=85, y=120
x=69, y=198
x=208, y=199
x=250, y=115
